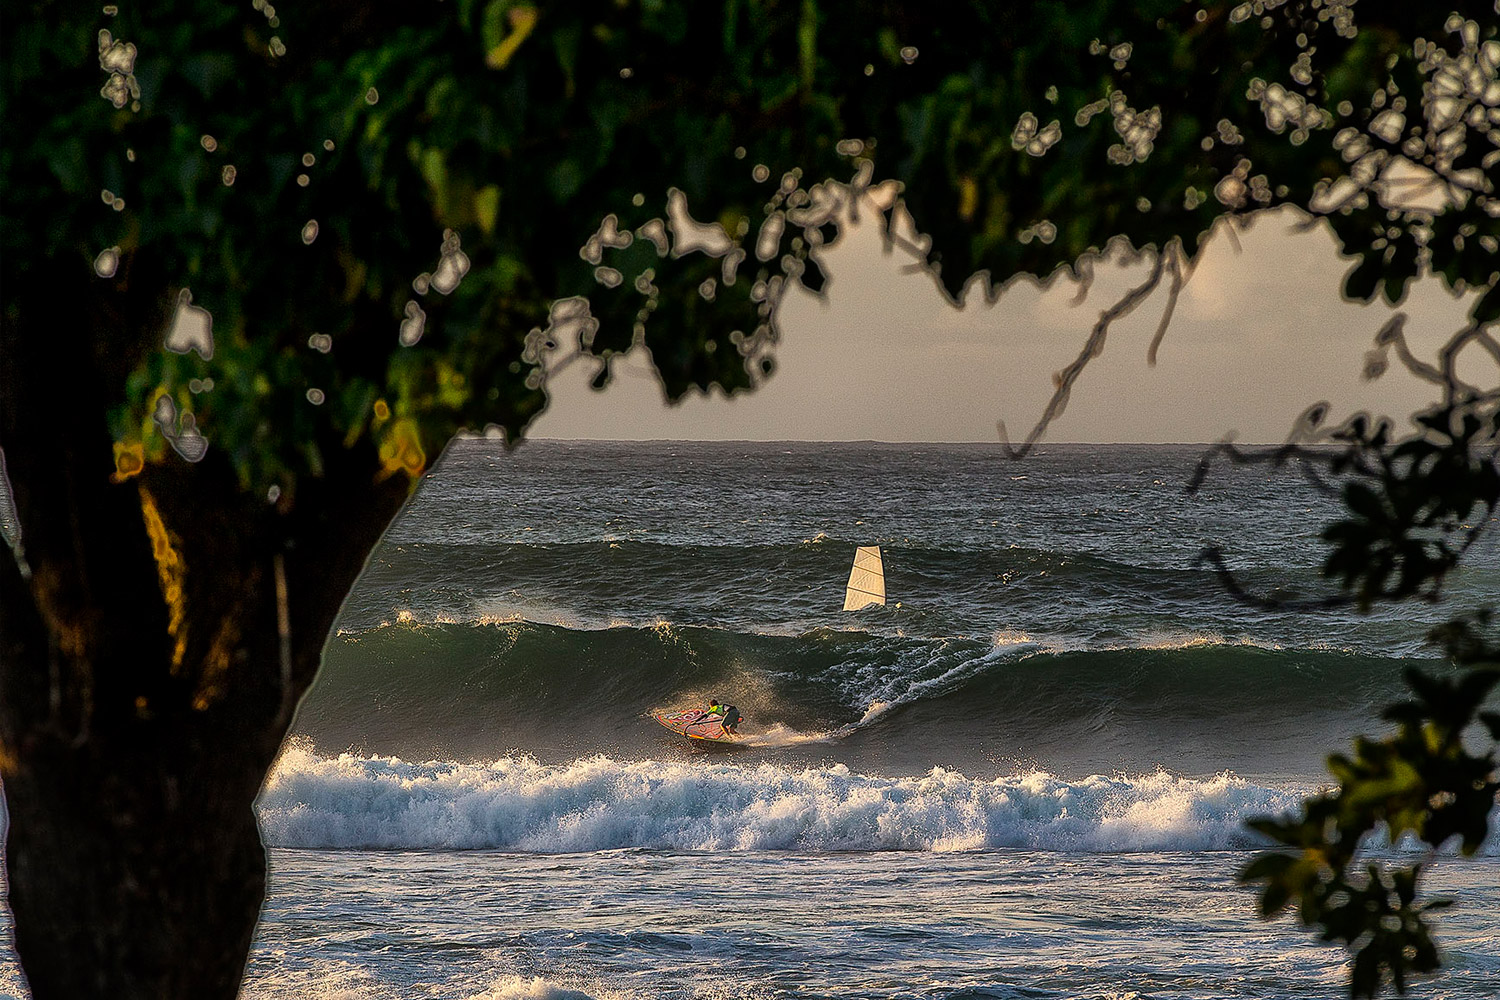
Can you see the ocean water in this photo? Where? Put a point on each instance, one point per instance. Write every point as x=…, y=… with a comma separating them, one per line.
x=1025, y=776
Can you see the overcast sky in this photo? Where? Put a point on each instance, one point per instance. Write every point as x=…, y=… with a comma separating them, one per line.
x=1260, y=333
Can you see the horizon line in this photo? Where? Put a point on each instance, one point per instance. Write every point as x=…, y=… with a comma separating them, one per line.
x=1001, y=444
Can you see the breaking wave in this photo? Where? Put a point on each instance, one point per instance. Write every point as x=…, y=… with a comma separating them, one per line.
x=519, y=804
x=1190, y=702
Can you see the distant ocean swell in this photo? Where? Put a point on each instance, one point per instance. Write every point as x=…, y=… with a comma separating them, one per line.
x=518, y=804
x=791, y=581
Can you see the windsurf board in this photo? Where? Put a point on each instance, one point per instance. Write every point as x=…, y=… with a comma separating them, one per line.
x=696, y=725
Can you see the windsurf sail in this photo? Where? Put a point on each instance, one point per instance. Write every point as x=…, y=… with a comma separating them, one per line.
x=696, y=724
x=866, y=579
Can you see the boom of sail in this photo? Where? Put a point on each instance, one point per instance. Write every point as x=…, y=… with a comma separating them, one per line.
x=866, y=579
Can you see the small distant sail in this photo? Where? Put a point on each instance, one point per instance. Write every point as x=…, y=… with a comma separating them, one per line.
x=866, y=579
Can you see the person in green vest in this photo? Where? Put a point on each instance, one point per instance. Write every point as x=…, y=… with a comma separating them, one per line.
x=730, y=716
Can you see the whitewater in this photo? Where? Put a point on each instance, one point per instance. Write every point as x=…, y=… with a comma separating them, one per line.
x=598, y=804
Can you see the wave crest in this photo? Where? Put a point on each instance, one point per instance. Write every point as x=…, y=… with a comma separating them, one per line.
x=518, y=804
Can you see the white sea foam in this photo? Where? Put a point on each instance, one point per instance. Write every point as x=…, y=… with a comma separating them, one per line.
x=535, y=988
x=885, y=685
x=327, y=979
x=519, y=804
x=1172, y=639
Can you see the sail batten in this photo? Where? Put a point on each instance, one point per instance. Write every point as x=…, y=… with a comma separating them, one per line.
x=866, y=579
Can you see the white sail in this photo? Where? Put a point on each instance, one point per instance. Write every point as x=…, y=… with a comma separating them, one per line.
x=866, y=579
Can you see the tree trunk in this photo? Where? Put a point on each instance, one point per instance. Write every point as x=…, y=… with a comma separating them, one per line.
x=149, y=665
x=135, y=866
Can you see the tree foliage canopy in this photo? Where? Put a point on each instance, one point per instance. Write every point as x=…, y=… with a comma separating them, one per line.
x=298, y=170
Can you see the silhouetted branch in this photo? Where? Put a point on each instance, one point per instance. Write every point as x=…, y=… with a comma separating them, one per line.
x=1410, y=501
x=1092, y=348
x=1214, y=557
x=1174, y=255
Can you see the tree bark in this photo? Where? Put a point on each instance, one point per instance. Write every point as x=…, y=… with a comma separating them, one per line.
x=149, y=666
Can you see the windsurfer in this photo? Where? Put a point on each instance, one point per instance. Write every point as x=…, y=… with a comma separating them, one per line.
x=729, y=715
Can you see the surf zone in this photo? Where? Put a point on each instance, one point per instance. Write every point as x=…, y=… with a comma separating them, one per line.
x=520, y=804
